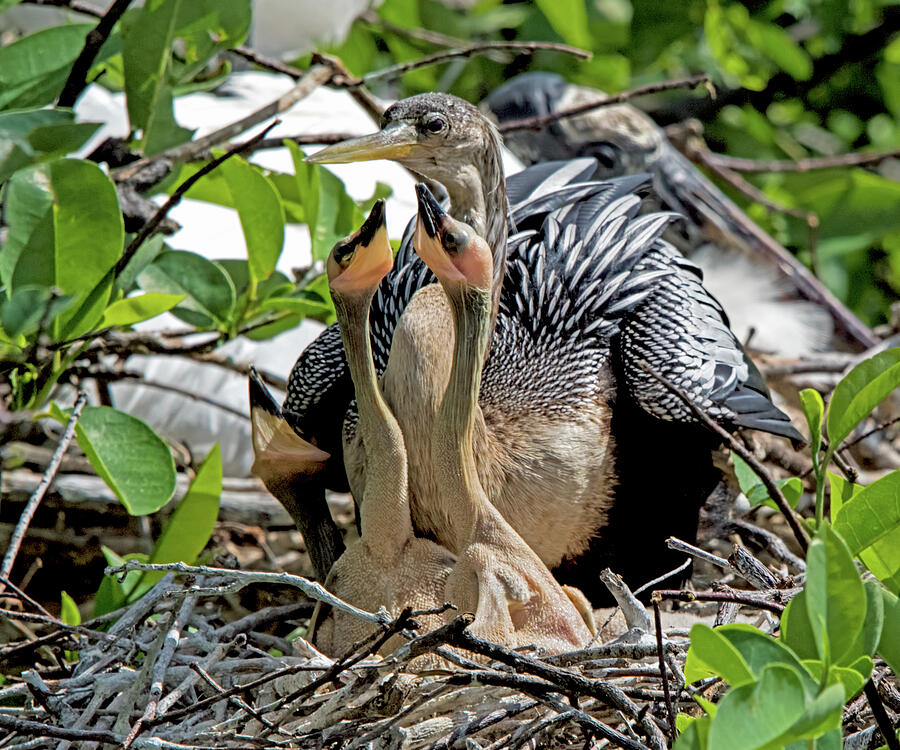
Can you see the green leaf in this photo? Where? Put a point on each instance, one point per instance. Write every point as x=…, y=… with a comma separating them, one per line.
x=569, y=19
x=796, y=632
x=33, y=69
x=33, y=135
x=813, y=409
x=835, y=596
x=821, y=715
x=712, y=654
x=209, y=291
x=870, y=522
x=132, y=310
x=112, y=594
x=860, y=391
x=68, y=611
x=65, y=230
x=757, y=494
x=854, y=677
x=759, y=650
x=146, y=56
x=192, y=523
x=753, y=715
x=330, y=213
x=889, y=644
x=261, y=215
x=30, y=306
x=693, y=735
x=841, y=492
x=135, y=463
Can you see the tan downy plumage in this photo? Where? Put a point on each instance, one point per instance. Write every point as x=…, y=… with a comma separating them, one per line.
x=515, y=598
x=387, y=566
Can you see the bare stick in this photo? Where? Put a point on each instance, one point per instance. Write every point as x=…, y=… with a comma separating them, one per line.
x=670, y=711
x=738, y=597
x=178, y=194
x=75, y=5
x=663, y=577
x=802, y=165
x=540, y=121
x=689, y=549
x=635, y=613
x=31, y=506
x=35, y=728
x=21, y=595
x=187, y=151
x=881, y=716
x=95, y=39
x=774, y=490
x=394, y=71
x=595, y=726
x=240, y=579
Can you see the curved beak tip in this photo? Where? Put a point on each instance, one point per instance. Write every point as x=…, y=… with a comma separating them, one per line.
x=374, y=221
x=430, y=212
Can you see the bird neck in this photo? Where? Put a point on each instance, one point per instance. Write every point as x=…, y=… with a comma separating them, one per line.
x=454, y=428
x=384, y=508
x=478, y=197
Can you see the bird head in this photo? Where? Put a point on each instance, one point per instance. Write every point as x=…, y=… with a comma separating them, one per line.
x=450, y=248
x=358, y=263
x=431, y=134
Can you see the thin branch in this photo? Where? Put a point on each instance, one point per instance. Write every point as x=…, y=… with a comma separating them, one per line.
x=595, y=726
x=470, y=50
x=738, y=597
x=35, y=728
x=31, y=506
x=801, y=165
x=773, y=489
x=95, y=39
x=178, y=194
x=426, y=36
x=540, y=121
x=240, y=579
x=74, y=5
x=670, y=711
x=881, y=716
x=316, y=77
x=16, y=592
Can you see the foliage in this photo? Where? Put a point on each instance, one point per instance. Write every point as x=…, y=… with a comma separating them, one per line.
x=790, y=691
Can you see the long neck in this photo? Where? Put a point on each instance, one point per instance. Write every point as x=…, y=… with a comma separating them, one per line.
x=478, y=197
x=454, y=428
x=384, y=509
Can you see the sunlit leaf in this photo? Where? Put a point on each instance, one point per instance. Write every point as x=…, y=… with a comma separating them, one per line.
x=131, y=310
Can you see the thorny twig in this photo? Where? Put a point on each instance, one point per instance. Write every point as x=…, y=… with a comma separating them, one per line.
x=31, y=506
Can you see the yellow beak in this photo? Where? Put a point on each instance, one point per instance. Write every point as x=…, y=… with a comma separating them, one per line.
x=394, y=142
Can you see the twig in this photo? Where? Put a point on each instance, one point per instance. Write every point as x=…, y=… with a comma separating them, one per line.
x=738, y=597
x=21, y=595
x=801, y=165
x=480, y=48
x=31, y=506
x=95, y=39
x=689, y=549
x=427, y=36
x=670, y=711
x=75, y=5
x=24, y=726
x=881, y=717
x=240, y=579
x=540, y=121
x=595, y=725
x=868, y=433
x=675, y=571
x=233, y=699
x=635, y=613
x=178, y=194
x=316, y=77
x=774, y=490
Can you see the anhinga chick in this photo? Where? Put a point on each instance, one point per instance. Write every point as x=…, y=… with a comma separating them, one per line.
x=515, y=599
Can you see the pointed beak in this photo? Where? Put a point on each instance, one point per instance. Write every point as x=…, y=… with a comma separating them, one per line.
x=372, y=255
x=394, y=142
x=427, y=237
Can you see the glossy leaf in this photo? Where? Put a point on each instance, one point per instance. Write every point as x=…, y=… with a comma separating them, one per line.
x=68, y=610
x=712, y=654
x=34, y=68
x=568, y=19
x=835, y=596
x=135, y=463
x=30, y=136
x=65, y=230
x=841, y=492
x=759, y=650
x=146, y=56
x=860, y=391
x=131, y=310
x=870, y=522
x=813, y=409
x=210, y=293
x=29, y=307
x=259, y=209
x=755, y=714
x=889, y=643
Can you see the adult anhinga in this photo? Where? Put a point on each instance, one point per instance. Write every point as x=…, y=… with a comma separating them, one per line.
x=515, y=599
x=796, y=312
x=585, y=454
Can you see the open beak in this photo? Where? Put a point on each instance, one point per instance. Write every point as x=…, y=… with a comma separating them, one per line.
x=394, y=142
x=427, y=238
x=280, y=452
x=372, y=256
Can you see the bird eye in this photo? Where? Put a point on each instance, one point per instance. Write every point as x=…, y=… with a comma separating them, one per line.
x=455, y=241
x=435, y=124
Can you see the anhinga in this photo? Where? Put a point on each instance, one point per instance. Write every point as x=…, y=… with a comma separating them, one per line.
x=588, y=456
